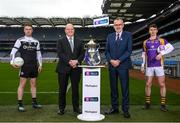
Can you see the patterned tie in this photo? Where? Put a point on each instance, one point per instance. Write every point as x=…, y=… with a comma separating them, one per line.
x=71, y=44
x=117, y=37
x=116, y=46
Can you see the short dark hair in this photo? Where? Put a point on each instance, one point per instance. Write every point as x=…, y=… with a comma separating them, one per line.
x=153, y=25
x=28, y=24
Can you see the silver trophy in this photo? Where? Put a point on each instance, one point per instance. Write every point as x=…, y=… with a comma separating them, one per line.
x=92, y=56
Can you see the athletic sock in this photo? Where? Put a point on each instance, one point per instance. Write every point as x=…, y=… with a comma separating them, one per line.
x=20, y=102
x=163, y=100
x=148, y=99
x=34, y=100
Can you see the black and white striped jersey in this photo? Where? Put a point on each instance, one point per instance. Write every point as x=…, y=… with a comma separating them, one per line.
x=29, y=49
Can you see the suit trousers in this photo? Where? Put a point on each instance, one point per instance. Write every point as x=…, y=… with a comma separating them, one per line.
x=123, y=75
x=63, y=78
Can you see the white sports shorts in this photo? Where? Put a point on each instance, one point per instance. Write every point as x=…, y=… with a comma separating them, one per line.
x=155, y=71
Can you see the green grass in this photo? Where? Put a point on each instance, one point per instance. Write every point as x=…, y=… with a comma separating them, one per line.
x=49, y=114
x=47, y=82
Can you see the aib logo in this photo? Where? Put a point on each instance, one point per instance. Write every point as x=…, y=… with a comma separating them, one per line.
x=91, y=99
x=91, y=73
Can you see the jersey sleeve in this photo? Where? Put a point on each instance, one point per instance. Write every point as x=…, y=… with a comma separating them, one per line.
x=143, y=56
x=38, y=46
x=14, y=50
x=165, y=42
x=144, y=46
x=39, y=56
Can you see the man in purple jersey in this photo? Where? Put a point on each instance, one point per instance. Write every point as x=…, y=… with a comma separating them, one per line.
x=154, y=49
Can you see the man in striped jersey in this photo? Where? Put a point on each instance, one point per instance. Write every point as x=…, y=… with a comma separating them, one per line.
x=29, y=49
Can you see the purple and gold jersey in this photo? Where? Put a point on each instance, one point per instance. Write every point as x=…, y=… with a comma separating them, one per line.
x=150, y=48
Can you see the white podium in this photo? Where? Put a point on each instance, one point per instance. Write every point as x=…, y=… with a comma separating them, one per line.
x=91, y=94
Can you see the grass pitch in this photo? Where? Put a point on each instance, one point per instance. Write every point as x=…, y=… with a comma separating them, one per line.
x=48, y=97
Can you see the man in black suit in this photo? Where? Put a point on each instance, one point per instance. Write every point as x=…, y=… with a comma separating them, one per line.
x=118, y=52
x=71, y=53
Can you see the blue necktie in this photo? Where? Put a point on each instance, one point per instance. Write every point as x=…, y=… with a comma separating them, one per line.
x=117, y=37
x=116, y=46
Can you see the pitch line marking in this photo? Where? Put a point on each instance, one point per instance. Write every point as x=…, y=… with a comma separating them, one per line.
x=40, y=92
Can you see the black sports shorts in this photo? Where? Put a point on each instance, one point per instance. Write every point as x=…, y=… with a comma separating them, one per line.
x=29, y=71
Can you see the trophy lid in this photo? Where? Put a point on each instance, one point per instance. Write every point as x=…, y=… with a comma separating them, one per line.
x=91, y=43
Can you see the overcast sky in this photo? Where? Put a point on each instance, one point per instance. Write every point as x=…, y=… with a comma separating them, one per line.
x=50, y=8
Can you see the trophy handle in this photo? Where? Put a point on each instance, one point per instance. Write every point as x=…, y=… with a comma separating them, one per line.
x=98, y=46
x=85, y=47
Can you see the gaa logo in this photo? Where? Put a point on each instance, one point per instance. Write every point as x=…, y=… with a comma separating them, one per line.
x=91, y=99
x=91, y=73
x=161, y=47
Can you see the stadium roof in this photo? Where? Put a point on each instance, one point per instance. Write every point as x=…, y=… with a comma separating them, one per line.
x=128, y=10
x=49, y=22
x=133, y=10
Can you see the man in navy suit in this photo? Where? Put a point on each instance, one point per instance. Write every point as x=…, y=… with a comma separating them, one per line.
x=118, y=52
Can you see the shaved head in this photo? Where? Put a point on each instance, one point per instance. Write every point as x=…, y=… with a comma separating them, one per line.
x=69, y=25
x=69, y=30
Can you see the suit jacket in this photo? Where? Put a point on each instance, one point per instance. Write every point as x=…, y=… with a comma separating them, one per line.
x=120, y=50
x=65, y=54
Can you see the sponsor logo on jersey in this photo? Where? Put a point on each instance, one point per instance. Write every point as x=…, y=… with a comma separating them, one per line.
x=29, y=47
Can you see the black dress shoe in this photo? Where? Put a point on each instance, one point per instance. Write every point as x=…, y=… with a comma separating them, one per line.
x=78, y=111
x=112, y=111
x=60, y=112
x=126, y=115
